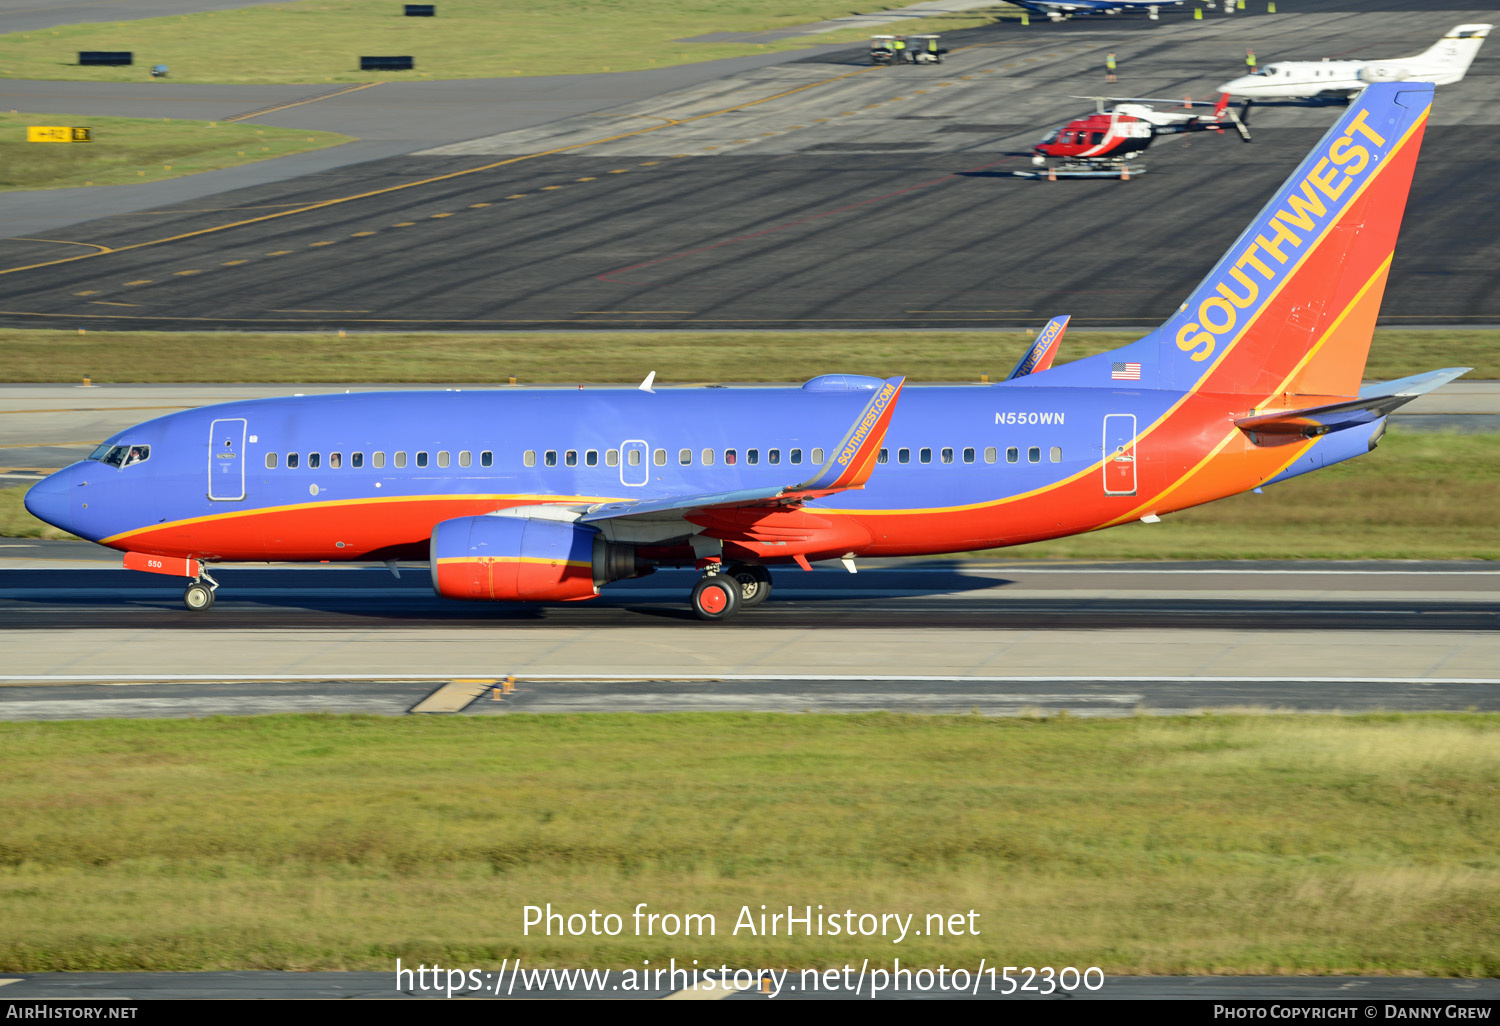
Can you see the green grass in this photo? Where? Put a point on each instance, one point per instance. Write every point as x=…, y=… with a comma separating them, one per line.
x=33, y=355
x=468, y=39
x=1193, y=845
x=133, y=150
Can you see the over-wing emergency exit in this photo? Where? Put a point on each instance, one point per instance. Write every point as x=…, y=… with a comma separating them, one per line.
x=548, y=495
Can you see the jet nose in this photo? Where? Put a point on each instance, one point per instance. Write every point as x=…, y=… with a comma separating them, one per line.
x=48, y=501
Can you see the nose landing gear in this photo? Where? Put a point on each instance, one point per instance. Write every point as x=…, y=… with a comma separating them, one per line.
x=199, y=597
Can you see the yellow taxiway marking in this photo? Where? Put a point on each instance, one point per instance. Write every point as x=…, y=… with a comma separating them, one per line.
x=676, y=156
x=453, y=696
x=325, y=242
x=403, y=224
x=319, y=311
x=299, y=103
x=105, y=302
x=279, y=252
x=182, y=274
x=321, y=204
x=357, y=235
x=517, y=195
x=649, y=163
x=585, y=179
x=549, y=188
x=620, y=171
x=142, y=281
x=476, y=206
x=442, y=215
x=87, y=292
x=68, y=242
x=233, y=263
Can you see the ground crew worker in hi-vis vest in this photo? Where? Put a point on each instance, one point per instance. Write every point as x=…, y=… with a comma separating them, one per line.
x=1250, y=60
x=900, y=47
x=1109, y=67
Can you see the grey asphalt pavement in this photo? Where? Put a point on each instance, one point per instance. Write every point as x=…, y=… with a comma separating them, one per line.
x=812, y=193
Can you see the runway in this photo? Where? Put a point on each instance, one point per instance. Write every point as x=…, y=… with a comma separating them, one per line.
x=84, y=639
x=816, y=193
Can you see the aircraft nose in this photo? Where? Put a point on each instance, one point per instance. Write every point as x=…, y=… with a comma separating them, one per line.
x=48, y=500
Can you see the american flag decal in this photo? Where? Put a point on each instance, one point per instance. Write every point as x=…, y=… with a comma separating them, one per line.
x=1125, y=372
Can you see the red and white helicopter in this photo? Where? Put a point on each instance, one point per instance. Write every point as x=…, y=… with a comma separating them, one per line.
x=1101, y=144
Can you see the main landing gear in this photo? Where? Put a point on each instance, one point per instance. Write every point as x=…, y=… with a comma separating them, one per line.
x=723, y=591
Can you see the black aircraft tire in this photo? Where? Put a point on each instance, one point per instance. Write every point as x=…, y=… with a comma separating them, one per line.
x=716, y=597
x=199, y=598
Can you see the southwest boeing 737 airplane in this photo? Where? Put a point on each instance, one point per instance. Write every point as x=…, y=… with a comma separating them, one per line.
x=549, y=495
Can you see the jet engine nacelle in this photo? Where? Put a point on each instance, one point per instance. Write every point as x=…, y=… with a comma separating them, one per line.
x=497, y=558
x=1372, y=73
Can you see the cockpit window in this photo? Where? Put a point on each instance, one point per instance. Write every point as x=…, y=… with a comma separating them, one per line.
x=121, y=455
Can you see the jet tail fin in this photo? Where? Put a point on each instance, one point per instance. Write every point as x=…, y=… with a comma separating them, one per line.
x=1446, y=61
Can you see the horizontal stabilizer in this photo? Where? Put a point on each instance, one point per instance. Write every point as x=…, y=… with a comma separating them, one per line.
x=1043, y=351
x=1375, y=401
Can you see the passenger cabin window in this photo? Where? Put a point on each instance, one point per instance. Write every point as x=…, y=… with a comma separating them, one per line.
x=465, y=458
x=550, y=459
x=378, y=460
x=796, y=456
x=731, y=457
x=633, y=457
x=591, y=458
x=947, y=455
x=884, y=457
x=335, y=460
x=529, y=457
x=443, y=458
x=313, y=459
x=1034, y=454
x=612, y=458
x=400, y=460
x=903, y=455
x=487, y=459
x=990, y=454
x=924, y=456
x=968, y=455
x=1056, y=454
x=291, y=461
x=270, y=461
x=356, y=460
x=422, y=459
x=1012, y=455
x=752, y=456
x=659, y=457
x=685, y=457
x=817, y=456
x=571, y=457
x=774, y=456
x=708, y=457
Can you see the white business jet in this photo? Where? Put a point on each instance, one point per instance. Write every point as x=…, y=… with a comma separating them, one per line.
x=1443, y=63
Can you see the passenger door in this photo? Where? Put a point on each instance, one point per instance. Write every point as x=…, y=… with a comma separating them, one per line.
x=226, y=460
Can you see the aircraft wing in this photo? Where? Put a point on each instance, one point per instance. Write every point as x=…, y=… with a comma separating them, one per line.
x=1375, y=401
x=1043, y=351
x=849, y=467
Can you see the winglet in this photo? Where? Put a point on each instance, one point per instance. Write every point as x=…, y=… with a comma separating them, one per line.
x=645, y=386
x=1042, y=352
x=854, y=459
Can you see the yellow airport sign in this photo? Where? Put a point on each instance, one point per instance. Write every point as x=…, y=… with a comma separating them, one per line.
x=57, y=133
